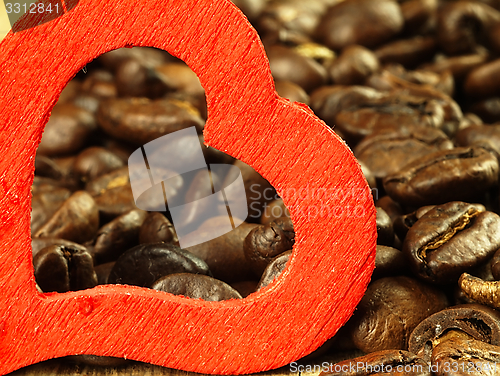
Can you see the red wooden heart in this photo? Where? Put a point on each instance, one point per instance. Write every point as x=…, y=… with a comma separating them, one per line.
x=311, y=168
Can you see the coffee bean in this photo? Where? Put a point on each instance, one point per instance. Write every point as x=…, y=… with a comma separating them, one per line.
x=385, y=231
x=345, y=23
x=67, y=130
x=474, y=320
x=144, y=264
x=379, y=363
x=353, y=66
x=44, y=205
x=483, y=81
x=64, y=268
x=286, y=64
x=405, y=221
x=276, y=209
x=99, y=83
x=76, y=220
x=460, y=357
x=488, y=110
x=102, y=271
x=485, y=136
x=419, y=15
x=389, y=311
x=434, y=178
x=196, y=286
x=408, y=52
x=140, y=120
x=136, y=79
x=179, y=77
x=150, y=57
x=389, y=262
x=245, y=288
x=459, y=66
x=273, y=269
x=291, y=91
x=265, y=242
x=94, y=162
x=37, y=244
x=98, y=361
x=117, y=236
x=450, y=239
x=157, y=228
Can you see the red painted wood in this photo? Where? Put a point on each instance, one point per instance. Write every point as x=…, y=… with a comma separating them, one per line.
x=334, y=252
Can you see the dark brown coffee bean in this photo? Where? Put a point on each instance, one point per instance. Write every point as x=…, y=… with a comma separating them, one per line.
x=117, y=236
x=391, y=308
x=385, y=231
x=380, y=363
x=276, y=209
x=102, y=271
x=419, y=15
x=387, y=152
x=483, y=81
x=461, y=357
x=100, y=84
x=459, y=66
x=179, y=77
x=408, y=52
x=450, y=239
x=391, y=207
x=137, y=79
x=287, y=64
x=245, y=288
x=37, y=244
x=464, y=24
x=156, y=228
x=345, y=23
x=140, y=120
x=70, y=91
x=76, y=220
x=273, y=269
x=389, y=262
x=291, y=91
x=488, y=110
x=44, y=205
x=370, y=178
x=150, y=57
x=354, y=65
x=442, y=176
x=328, y=101
x=265, y=242
x=67, y=130
x=45, y=166
x=196, y=286
x=251, y=8
x=475, y=320
x=63, y=268
x=144, y=264
x=224, y=254
x=485, y=136
x=94, y=162
x=404, y=222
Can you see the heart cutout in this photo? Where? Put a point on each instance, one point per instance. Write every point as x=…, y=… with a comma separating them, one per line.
x=312, y=169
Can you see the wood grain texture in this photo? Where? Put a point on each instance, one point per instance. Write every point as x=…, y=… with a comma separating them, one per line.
x=312, y=169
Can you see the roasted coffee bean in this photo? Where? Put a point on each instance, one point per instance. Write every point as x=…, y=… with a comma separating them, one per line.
x=464, y=24
x=68, y=130
x=99, y=83
x=37, y=244
x=474, y=320
x=287, y=64
x=459, y=66
x=391, y=207
x=442, y=176
x=450, y=239
x=251, y=8
x=140, y=120
x=385, y=231
x=345, y=23
x=179, y=77
x=408, y=52
x=273, y=269
x=156, y=228
x=484, y=292
x=461, y=357
x=258, y=191
x=379, y=363
x=404, y=222
x=389, y=311
x=94, y=162
x=328, y=101
x=64, y=268
x=419, y=15
x=102, y=271
x=495, y=265
x=265, y=242
x=387, y=152
x=144, y=264
x=276, y=209
x=488, y=110
x=353, y=66
x=150, y=57
x=224, y=254
x=483, y=81
x=117, y=236
x=196, y=286
x=291, y=91
x=76, y=220
x=136, y=79
x=389, y=262
x=98, y=361
x=485, y=136
x=44, y=205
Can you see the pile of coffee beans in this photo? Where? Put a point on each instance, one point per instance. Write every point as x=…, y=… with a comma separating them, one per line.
x=412, y=86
